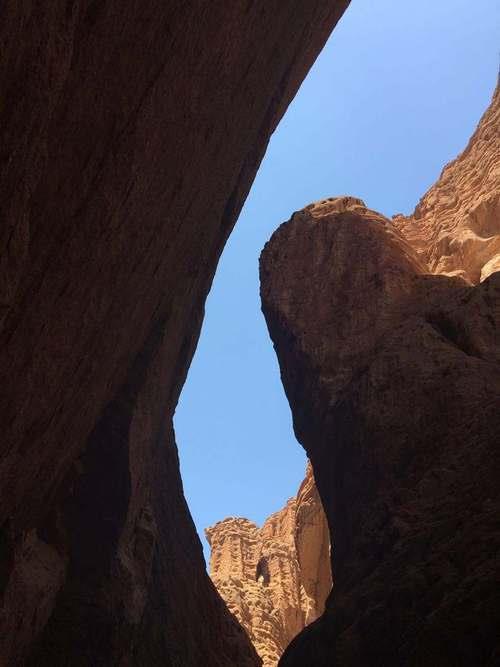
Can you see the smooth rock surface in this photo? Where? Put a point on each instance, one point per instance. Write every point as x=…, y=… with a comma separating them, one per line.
x=274, y=579
x=392, y=372
x=130, y=133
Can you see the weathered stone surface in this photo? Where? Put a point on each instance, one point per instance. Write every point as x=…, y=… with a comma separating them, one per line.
x=274, y=579
x=393, y=376
x=455, y=227
x=130, y=135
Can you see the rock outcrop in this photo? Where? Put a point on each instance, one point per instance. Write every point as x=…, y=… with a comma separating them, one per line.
x=274, y=579
x=455, y=228
x=391, y=363
x=130, y=133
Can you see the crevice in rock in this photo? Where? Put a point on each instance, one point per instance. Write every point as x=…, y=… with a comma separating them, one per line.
x=262, y=572
x=452, y=332
x=6, y=557
x=92, y=516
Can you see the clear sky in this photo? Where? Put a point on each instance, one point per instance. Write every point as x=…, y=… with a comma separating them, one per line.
x=395, y=94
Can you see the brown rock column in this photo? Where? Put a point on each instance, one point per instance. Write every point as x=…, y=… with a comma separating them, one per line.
x=393, y=376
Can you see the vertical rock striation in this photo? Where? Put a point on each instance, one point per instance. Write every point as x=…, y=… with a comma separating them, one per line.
x=130, y=132
x=274, y=579
x=389, y=349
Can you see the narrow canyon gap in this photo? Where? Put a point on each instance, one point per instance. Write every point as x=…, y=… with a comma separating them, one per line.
x=130, y=134
x=429, y=115
x=377, y=117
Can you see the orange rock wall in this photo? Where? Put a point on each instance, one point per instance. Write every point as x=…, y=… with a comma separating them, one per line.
x=130, y=134
x=274, y=579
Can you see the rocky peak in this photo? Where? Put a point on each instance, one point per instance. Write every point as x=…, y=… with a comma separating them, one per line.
x=274, y=579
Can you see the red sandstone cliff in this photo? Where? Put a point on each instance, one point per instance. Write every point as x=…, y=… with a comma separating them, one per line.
x=274, y=579
x=130, y=133
x=389, y=349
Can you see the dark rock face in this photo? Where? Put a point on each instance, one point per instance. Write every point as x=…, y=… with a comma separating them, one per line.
x=130, y=134
x=393, y=376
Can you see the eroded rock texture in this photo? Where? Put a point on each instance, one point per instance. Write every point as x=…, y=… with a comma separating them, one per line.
x=455, y=228
x=393, y=376
x=274, y=579
x=130, y=135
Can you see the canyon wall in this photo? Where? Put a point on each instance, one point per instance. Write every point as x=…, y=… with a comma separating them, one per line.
x=131, y=133
x=455, y=228
x=388, y=338
x=274, y=579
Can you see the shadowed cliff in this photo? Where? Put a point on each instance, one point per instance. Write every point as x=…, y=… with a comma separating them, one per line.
x=131, y=133
x=389, y=349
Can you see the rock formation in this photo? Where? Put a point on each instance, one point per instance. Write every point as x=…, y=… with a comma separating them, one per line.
x=389, y=349
x=130, y=133
x=455, y=228
x=274, y=579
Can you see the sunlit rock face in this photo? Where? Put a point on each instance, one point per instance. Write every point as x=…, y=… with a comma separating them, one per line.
x=130, y=135
x=274, y=579
x=455, y=228
x=388, y=341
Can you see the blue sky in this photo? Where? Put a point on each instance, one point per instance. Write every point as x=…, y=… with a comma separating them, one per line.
x=395, y=94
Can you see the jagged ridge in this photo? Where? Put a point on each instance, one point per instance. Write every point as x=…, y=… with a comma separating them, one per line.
x=274, y=579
